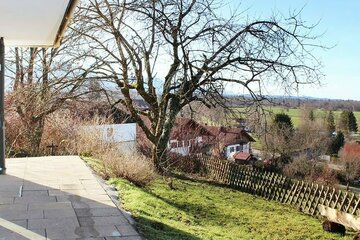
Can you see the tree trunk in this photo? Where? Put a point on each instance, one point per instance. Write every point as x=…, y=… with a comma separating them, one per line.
x=33, y=135
x=159, y=155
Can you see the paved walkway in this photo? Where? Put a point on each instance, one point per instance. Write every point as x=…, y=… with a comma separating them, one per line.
x=57, y=198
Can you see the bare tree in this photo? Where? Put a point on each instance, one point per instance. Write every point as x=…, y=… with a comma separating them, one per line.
x=312, y=134
x=42, y=80
x=194, y=52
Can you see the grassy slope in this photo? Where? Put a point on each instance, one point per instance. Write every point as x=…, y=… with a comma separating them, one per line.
x=201, y=211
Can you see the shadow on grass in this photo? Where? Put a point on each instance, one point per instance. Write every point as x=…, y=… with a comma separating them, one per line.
x=160, y=231
x=199, y=210
x=203, y=180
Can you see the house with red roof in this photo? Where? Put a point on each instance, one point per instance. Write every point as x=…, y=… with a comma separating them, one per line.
x=187, y=137
x=229, y=140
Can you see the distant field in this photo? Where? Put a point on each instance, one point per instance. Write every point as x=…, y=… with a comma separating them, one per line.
x=295, y=113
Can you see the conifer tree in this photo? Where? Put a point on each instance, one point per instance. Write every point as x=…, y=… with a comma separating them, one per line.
x=330, y=122
x=337, y=143
x=352, y=122
x=347, y=121
x=311, y=115
x=344, y=121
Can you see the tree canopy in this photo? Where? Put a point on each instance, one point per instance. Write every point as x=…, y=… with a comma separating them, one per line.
x=192, y=52
x=283, y=120
x=347, y=121
x=330, y=122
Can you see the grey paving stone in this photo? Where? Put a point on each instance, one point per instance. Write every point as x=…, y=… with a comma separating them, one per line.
x=22, y=223
x=87, y=238
x=53, y=205
x=92, y=204
x=35, y=199
x=20, y=214
x=11, y=193
x=82, y=232
x=33, y=186
x=16, y=234
x=90, y=238
x=101, y=221
x=97, y=212
x=22, y=206
x=85, y=199
x=53, y=223
x=71, y=186
x=127, y=230
x=4, y=199
x=59, y=213
x=35, y=193
x=124, y=238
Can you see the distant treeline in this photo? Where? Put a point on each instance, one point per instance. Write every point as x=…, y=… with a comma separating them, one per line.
x=295, y=102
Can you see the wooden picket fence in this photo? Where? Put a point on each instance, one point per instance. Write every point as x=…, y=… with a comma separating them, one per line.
x=305, y=196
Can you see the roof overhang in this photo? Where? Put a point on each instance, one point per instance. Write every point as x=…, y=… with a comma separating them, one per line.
x=35, y=23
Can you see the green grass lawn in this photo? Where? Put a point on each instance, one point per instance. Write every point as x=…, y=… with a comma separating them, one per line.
x=295, y=113
x=201, y=211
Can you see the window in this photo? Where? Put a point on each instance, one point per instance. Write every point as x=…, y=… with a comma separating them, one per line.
x=232, y=149
x=173, y=144
x=109, y=132
x=239, y=148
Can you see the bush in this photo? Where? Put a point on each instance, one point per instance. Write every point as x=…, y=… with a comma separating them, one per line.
x=299, y=168
x=132, y=166
x=185, y=164
x=60, y=129
x=350, y=160
x=309, y=170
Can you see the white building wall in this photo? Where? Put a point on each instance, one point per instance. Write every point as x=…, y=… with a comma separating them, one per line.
x=233, y=148
x=184, y=151
x=123, y=135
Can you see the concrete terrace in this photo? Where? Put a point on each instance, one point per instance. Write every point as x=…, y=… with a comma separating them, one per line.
x=57, y=198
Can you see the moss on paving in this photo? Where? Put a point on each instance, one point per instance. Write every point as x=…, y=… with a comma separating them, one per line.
x=201, y=211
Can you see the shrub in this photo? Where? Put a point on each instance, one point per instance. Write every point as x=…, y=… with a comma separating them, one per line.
x=303, y=168
x=132, y=165
x=299, y=168
x=60, y=130
x=185, y=164
x=14, y=135
x=350, y=159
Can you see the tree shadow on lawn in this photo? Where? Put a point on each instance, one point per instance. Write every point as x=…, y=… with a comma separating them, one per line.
x=211, y=213
x=198, y=214
x=161, y=231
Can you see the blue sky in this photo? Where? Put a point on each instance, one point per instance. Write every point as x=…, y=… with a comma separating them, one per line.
x=340, y=23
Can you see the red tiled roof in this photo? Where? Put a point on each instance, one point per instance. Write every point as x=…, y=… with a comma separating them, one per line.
x=228, y=135
x=242, y=156
x=352, y=148
x=183, y=128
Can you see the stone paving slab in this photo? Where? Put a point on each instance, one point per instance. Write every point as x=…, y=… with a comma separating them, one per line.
x=57, y=198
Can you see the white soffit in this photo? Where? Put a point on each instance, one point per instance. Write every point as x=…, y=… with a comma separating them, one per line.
x=34, y=22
